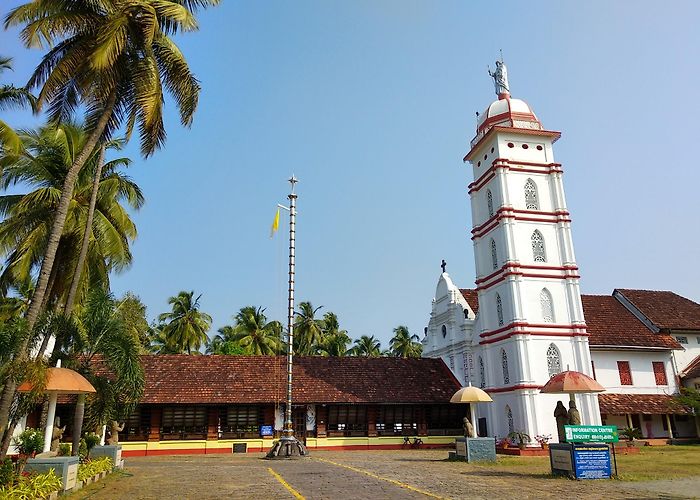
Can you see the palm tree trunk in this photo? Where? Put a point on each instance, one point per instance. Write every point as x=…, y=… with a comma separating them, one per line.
x=8, y=392
x=78, y=423
x=86, y=235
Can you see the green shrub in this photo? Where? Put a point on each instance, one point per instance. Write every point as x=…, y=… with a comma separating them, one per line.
x=7, y=472
x=32, y=486
x=63, y=449
x=29, y=442
x=93, y=467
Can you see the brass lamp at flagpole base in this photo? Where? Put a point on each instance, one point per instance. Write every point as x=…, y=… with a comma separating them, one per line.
x=288, y=446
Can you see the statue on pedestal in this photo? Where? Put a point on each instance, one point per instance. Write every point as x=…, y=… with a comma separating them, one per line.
x=562, y=418
x=574, y=417
x=56, y=434
x=468, y=428
x=114, y=430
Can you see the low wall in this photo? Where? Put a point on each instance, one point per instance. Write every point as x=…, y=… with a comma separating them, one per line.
x=204, y=447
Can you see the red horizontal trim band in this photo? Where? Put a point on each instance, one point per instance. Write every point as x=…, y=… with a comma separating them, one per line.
x=529, y=332
x=517, y=324
x=506, y=164
x=504, y=275
x=509, y=211
x=508, y=115
x=514, y=388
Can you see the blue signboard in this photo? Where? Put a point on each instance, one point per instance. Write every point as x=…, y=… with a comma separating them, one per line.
x=266, y=430
x=591, y=461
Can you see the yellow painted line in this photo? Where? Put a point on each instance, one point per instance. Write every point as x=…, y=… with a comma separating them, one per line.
x=284, y=483
x=388, y=480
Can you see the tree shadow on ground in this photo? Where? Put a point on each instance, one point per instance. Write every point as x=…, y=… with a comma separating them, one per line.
x=504, y=473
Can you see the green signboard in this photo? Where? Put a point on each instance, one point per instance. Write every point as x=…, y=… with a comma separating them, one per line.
x=591, y=433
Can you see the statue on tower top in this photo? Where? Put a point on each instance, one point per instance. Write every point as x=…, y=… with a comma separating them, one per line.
x=500, y=79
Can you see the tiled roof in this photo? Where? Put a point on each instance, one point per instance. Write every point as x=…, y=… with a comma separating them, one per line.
x=667, y=310
x=471, y=297
x=610, y=323
x=646, y=404
x=261, y=379
x=693, y=369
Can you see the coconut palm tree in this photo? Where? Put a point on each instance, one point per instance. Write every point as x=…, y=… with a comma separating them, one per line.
x=335, y=341
x=118, y=60
x=405, y=345
x=186, y=326
x=28, y=217
x=224, y=343
x=159, y=343
x=254, y=333
x=11, y=97
x=102, y=346
x=367, y=346
x=308, y=331
x=115, y=59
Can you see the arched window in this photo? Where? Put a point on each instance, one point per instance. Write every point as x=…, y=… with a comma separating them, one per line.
x=499, y=310
x=531, y=202
x=482, y=373
x=553, y=360
x=494, y=255
x=546, y=305
x=489, y=202
x=509, y=417
x=538, y=252
x=504, y=362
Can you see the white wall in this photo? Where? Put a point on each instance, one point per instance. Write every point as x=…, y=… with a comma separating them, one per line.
x=643, y=381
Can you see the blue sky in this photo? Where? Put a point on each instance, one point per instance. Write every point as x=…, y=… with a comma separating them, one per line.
x=372, y=105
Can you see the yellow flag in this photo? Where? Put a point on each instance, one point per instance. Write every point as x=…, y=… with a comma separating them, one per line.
x=275, y=223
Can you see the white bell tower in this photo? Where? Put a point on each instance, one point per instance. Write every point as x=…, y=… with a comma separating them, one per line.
x=530, y=323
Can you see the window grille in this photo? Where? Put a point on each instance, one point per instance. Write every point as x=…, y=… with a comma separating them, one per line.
x=659, y=372
x=184, y=421
x=682, y=339
x=499, y=310
x=489, y=202
x=137, y=425
x=482, y=373
x=546, y=305
x=494, y=255
x=623, y=367
x=538, y=252
x=397, y=419
x=467, y=362
x=240, y=421
x=531, y=202
x=509, y=416
x=553, y=360
x=452, y=363
x=504, y=362
x=444, y=420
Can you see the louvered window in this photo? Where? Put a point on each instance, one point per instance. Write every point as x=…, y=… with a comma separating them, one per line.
x=489, y=202
x=509, y=417
x=553, y=360
x=499, y=310
x=397, y=420
x=184, y=422
x=546, y=306
x=137, y=426
x=347, y=420
x=623, y=367
x=240, y=421
x=444, y=420
x=659, y=372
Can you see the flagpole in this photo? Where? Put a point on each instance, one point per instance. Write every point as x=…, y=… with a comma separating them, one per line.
x=288, y=446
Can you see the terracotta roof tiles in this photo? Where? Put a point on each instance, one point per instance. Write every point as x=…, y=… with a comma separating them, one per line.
x=693, y=369
x=258, y=379
x=471, y=297
x=610, y=323
x=666, y=310
x=646, y=404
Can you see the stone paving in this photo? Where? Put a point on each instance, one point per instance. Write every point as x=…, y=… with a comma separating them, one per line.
x=354, y=474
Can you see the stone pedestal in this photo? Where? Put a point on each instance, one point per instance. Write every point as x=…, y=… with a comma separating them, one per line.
x=65, y=467
x=480, y=449
x=287, y=447
x=113, y=451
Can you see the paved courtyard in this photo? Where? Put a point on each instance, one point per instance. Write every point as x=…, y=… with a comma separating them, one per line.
x=357, y=475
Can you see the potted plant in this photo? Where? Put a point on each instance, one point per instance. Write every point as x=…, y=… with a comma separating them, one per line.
x=521, y=438
x=630, y=434
x=543, y=440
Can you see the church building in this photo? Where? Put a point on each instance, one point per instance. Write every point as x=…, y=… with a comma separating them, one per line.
x=526, y=321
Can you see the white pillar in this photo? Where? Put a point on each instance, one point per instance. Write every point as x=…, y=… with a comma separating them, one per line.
x=48, y=433
x=668, y=424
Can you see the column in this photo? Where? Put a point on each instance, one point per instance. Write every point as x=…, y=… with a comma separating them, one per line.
x=371, y=421
x=321, y=418
x=668, y=424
